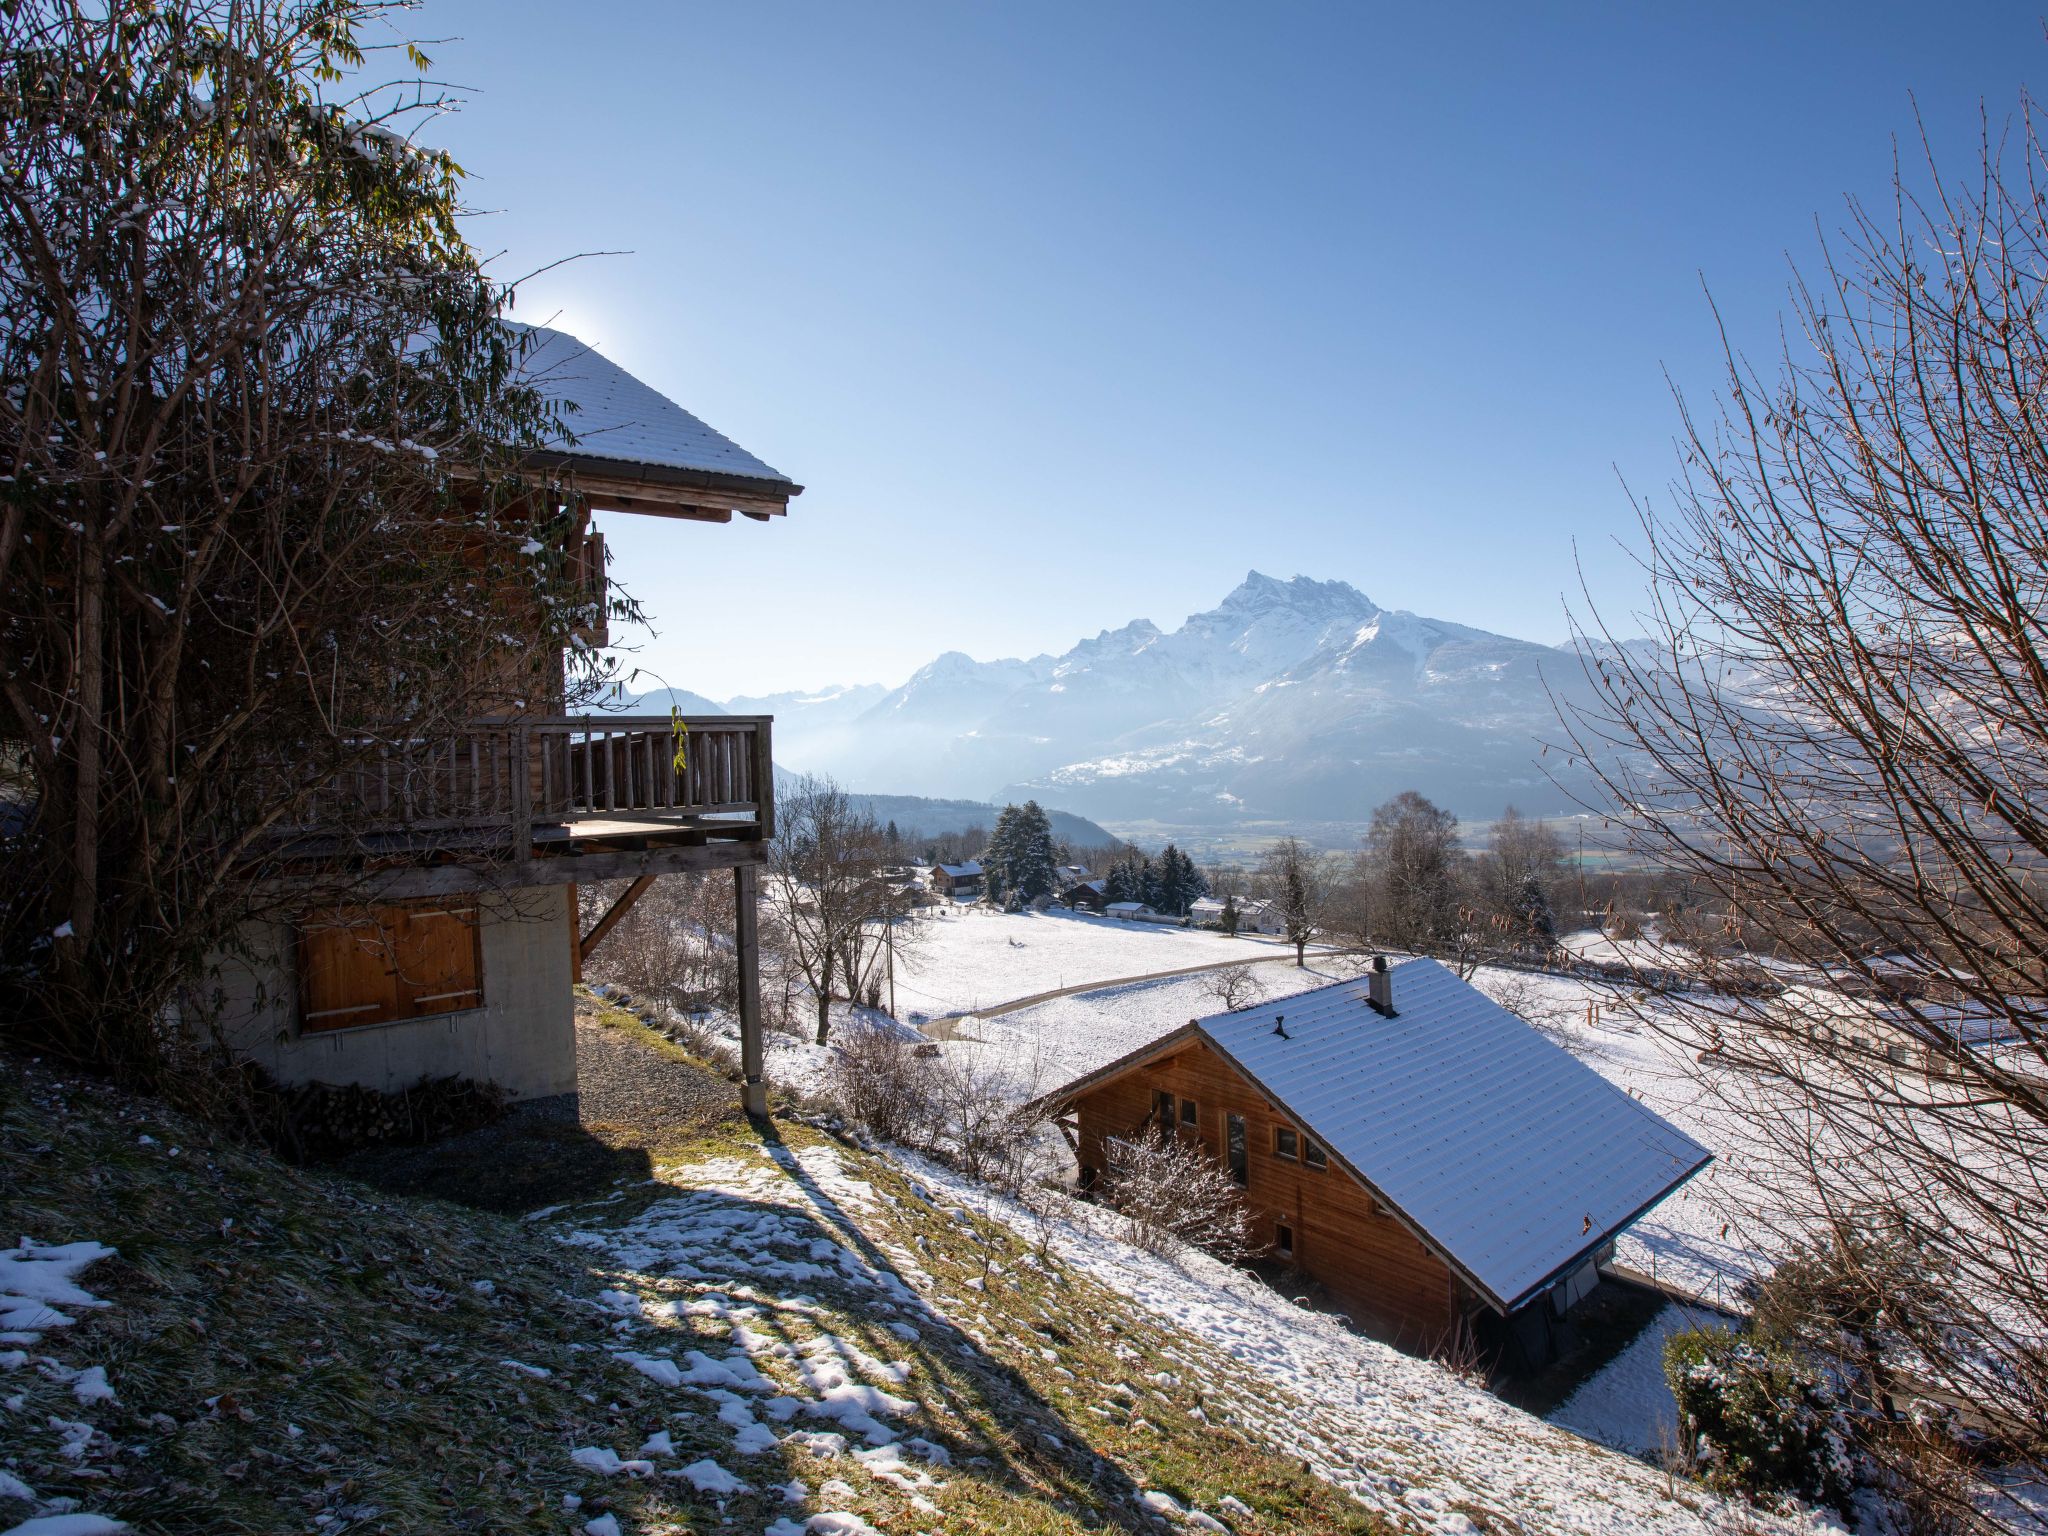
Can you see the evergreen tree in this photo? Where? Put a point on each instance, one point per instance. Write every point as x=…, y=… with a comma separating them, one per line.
x=1230, y=917
x=999, y=860
x=1151, y=890
x=1533, y=907
x=1180, y=883
x=1118, y=884
x=893, y=839
x=1033, y=860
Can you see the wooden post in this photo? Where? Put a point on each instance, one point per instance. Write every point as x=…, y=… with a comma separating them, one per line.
x=763, y=748
x=747, y=938
x=522, y=795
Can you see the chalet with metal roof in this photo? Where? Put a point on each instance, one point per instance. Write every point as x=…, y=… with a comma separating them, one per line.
x=1427, y=1157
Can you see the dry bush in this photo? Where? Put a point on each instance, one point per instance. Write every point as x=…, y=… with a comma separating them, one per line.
x=1169, y=1191
x=969, y=1111
x=1526, y=999
x=1234, y=986
x=886, y=1084
x=1622, y=925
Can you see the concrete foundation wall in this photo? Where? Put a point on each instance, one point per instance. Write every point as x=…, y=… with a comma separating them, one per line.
x=522, y=1038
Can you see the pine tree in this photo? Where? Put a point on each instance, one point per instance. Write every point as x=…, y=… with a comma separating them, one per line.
x=1532, y=905
x=1151, y=890
x=1117, y=884
x=999, y=859
x=1034, y=860
x=1230, y=917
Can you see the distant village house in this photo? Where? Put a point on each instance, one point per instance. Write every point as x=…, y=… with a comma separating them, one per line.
x=955, y=880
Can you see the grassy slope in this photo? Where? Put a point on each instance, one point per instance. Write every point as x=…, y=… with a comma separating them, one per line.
x=288, y=1345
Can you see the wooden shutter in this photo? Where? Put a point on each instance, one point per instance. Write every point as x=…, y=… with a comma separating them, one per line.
x=376, y=965
x=438, y=967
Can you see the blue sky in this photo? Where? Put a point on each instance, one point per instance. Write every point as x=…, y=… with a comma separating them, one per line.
x=1069, y=314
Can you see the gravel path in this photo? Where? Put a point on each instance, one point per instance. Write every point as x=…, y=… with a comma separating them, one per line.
x=625, y=1085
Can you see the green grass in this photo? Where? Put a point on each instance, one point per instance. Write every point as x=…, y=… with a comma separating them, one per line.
x=289, y=1344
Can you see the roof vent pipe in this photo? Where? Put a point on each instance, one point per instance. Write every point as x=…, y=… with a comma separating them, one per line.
x=1280, y=1026
x=1380, y=987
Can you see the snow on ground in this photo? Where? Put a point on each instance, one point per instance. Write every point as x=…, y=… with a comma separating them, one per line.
x=39, y=1292
x=1404, y=1436
x=748, y=1245
x=1054, y=1042
x=1648, y=953
x=972, y=957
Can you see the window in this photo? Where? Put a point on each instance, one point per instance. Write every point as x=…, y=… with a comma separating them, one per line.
x=1314, y=1155
x=1234, y=1148
x=376, y=965
x=1190, y=1117
x=1286, y=1143
x=1283, y=1242
x=1162, y=1110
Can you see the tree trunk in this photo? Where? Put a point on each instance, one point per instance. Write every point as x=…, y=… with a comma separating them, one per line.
x=825, y=996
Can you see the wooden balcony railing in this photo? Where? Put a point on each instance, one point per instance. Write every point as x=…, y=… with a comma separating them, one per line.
x=532, y=773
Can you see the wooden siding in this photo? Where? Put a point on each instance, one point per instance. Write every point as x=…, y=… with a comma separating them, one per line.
x=1373, y=1266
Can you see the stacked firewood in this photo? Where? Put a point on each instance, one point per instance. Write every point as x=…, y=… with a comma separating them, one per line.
x=316, y=1122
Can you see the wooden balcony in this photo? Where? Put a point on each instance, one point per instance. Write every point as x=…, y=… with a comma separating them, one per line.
x=550, y=796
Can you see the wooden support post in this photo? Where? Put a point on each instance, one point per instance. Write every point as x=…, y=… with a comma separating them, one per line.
x=747, y=939
x=604, y=924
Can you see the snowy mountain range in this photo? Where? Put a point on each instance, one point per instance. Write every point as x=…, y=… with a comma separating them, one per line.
x=1294, y=700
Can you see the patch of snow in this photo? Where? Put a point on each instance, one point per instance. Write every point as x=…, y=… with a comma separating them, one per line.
x=707, y=1476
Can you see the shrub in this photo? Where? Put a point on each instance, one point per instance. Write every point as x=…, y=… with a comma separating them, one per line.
x=885, y=1083
x=1755, y=1422
x=1170, y=1191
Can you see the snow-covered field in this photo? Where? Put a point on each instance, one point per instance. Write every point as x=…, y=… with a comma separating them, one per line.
x=1054, y=1042
x=970, y=957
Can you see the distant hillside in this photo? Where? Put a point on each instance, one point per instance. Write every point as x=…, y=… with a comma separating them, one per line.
x=918, y=817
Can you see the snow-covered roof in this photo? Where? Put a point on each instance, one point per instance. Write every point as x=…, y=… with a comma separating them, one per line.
x=971, y=870
x=1128, y=906
x=1508, y=1155
x=1205, y=904
x=620, y=419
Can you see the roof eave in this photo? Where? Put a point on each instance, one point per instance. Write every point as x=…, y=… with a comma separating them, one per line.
x=657, y=486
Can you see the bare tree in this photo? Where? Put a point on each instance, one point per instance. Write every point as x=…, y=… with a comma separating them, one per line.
x=1293, y=878
x=1170, y=1191
x=1839, y=731
x=261, y=521
x=825, y=876
x=1413, y=869
x=1233, y=986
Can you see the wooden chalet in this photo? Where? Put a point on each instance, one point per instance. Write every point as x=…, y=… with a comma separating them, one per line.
x=955, y=879
x=1085, y=896
x=461, y=937
x=1428, y=1158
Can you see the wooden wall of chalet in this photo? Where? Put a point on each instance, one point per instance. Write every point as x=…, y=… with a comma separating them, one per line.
x=1365, y=1258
